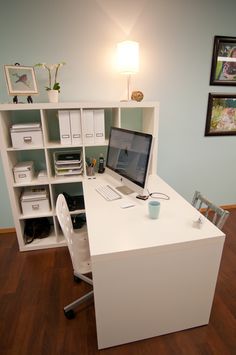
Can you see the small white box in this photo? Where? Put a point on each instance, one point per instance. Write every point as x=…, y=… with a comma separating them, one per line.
x=42, y=175
x=23, y=171
x=35, y=200
x=26, y=135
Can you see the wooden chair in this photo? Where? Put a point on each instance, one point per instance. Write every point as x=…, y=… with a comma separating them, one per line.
x=78, y=246
x=215, y=214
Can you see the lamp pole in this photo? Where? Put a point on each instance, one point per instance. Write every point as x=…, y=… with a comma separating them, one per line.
x=128, y=86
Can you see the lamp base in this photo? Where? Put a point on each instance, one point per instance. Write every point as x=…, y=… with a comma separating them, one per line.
x=127, y=93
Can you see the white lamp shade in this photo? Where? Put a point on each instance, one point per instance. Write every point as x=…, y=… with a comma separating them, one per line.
x=128, y=57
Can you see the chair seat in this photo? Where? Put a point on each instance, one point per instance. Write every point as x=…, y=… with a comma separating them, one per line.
x=80, y=251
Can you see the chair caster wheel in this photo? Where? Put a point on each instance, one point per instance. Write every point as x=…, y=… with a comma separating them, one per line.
x=69, y=314
x=77, y=279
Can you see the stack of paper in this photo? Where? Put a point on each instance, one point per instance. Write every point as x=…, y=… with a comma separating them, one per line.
x=68, y=163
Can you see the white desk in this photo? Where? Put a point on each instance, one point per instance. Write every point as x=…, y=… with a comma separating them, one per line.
x=151, y=277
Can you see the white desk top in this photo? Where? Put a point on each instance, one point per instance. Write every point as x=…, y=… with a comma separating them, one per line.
x=113, y=229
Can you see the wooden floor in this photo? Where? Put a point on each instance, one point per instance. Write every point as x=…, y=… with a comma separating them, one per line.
x=34, y=287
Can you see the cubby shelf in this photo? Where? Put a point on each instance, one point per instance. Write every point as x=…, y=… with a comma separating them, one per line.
x=131, y=115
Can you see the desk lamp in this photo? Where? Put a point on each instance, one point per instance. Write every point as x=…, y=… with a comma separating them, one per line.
x=128, y=60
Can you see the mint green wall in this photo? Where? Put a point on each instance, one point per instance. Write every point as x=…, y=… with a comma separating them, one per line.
x=176, y=39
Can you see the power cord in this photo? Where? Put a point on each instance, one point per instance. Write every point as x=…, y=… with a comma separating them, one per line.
x=158, y=195
x=155, y=195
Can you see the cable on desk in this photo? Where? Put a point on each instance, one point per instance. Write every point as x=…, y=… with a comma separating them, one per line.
x=158, y=195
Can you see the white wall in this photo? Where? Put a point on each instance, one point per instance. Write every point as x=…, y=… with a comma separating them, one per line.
x=176, y=40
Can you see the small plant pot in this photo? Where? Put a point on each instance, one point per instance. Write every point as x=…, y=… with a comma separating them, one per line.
x=53, y=95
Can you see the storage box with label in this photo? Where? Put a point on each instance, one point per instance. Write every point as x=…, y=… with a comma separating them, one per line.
x=35, y=200
x=26, y=135
x=23, y=171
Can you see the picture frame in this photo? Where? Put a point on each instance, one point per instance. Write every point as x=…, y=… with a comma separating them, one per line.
x=221, y=115
x=20, y=80
x=223, y=66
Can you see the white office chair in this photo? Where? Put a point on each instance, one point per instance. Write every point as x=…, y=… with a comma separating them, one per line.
x=216, y=214
x=78, y=246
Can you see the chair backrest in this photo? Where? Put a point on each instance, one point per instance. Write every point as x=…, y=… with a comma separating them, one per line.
x=78, y=244
x=216, y=214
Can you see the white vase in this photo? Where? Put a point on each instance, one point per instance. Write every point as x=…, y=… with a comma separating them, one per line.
x=53, y=95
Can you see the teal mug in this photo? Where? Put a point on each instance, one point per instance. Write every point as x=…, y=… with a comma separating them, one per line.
x=154, y=209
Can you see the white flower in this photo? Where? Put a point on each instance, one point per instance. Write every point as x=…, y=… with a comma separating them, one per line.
x=50, y=68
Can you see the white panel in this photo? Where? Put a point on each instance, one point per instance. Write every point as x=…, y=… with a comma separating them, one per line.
x=88, y=127
x=99, y=126
x=64, y=125
x=150, y=293
x=75, y=123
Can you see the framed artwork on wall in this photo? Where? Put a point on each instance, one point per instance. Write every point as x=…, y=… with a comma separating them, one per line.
x=221, y=115
x=20, y=80
x=223, y=67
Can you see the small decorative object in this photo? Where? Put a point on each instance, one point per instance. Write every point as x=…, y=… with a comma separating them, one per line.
x=223, y=68
x=221, y=115
x=137, y=96
x=53, y=87
x=20, y=81
x=198, y=223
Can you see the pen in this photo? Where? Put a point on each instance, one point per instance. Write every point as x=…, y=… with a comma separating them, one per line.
x=94, y=162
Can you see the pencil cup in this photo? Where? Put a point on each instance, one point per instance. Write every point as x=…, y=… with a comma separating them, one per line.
x=154, y=209
x=90, y=170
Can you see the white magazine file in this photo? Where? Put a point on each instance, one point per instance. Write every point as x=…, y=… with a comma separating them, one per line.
x=99, y=126
x=75, y=124
x=64, y=125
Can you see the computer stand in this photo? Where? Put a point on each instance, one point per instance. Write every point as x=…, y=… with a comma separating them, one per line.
x=124, y=189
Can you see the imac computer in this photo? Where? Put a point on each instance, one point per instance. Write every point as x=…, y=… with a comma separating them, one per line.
x=128, y=159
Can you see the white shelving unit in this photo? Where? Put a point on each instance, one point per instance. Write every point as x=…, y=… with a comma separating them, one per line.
x=141, y=116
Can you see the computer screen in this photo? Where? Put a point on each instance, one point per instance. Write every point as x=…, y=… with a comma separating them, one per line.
x=128, y=158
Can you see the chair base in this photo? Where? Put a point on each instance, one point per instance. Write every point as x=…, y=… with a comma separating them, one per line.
x=78, y=276
x=69, y=309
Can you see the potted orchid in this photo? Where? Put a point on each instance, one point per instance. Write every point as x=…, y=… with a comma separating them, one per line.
x=53, y=87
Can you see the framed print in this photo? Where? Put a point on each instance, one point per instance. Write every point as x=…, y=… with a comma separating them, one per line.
x=20, y=80
x=221, y=115
x=223, y=67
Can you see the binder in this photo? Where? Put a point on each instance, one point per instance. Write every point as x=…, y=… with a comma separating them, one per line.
x=64, y=125
x=88, y=127
x=75, y=124
x=99, y=126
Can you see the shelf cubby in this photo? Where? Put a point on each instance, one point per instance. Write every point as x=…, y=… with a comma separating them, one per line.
x=130, y=115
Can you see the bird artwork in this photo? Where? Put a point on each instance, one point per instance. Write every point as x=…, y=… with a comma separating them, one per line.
x=22, y=79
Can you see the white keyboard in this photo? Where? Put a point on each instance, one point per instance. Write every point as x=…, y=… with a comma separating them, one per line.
x=108, y=192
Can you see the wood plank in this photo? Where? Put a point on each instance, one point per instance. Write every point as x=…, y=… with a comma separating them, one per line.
x=7, y=230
